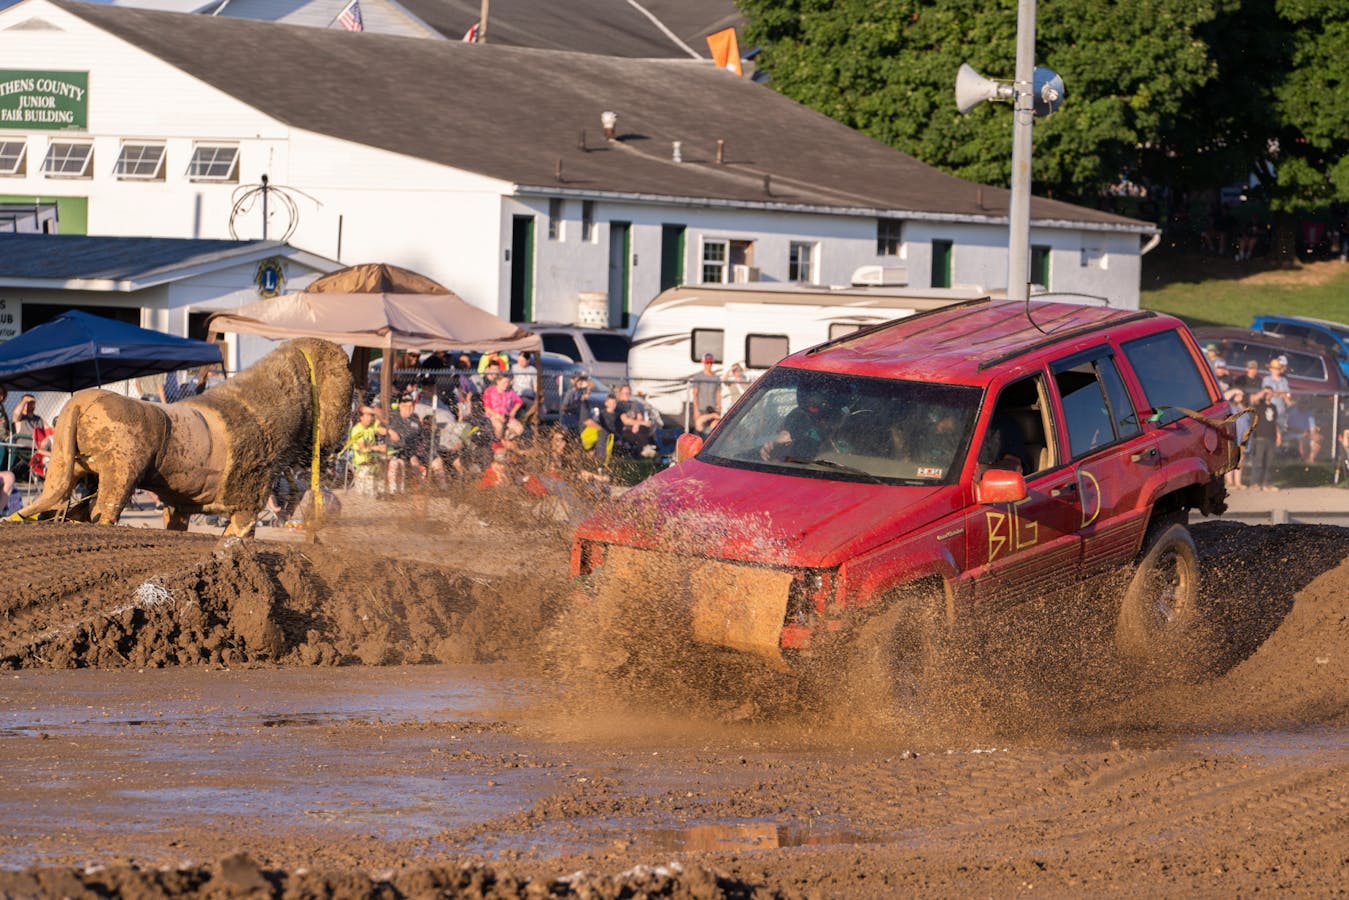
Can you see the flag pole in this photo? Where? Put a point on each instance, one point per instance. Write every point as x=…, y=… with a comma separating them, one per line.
x=482, y=22
x=338, y=16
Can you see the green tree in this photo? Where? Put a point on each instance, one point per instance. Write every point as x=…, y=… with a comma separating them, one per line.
x=1309, y=165
x=1144, y=88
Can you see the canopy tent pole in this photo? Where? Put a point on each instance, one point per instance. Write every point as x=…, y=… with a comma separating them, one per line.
x=386, y=375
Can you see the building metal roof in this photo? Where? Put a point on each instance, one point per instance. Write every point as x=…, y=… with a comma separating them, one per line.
x=125, y=263
x=607, y=27
x=532, y=118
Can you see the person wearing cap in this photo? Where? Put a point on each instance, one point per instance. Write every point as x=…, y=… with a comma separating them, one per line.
x=1218, y=365
x=705, y=396
x=1247, y=381
x=1276, y=383
x=1265, y=439
x=404, y=430
x=577, y=403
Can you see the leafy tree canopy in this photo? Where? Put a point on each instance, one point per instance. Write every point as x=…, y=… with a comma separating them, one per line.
x=1190, y=94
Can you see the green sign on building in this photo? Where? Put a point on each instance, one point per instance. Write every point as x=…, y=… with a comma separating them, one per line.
x=49, y=100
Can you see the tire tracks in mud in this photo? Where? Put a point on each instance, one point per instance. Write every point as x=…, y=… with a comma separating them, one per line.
x=60, y=576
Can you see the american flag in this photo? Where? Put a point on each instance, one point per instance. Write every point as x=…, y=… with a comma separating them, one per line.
x=471, y=36
x=350, y=17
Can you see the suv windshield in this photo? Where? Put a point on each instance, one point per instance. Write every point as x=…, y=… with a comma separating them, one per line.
x=820, y=424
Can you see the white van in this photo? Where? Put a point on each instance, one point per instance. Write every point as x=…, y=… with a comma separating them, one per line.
x=754, y=325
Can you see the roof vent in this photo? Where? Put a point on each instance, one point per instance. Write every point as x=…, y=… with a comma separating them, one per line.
x=610, y=122
x=880, y=276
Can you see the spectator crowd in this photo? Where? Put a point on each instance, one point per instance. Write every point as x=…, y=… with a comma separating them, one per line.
x=1279, y=424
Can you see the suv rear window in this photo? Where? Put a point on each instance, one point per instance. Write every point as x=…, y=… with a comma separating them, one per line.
x=1167, y=371
x=1300, y=365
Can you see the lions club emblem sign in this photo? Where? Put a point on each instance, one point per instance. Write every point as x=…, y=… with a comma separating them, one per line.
x=270, y=279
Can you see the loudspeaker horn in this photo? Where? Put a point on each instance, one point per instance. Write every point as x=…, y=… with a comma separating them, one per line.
x=973, y=89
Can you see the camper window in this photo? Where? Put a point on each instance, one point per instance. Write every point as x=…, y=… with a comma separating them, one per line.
x=762, y=351
x=839, y=329
x=707, y=340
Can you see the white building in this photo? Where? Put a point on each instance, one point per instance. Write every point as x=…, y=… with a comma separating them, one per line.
x=486, y=168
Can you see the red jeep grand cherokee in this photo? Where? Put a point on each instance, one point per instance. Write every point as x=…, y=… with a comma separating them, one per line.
x=983, y=453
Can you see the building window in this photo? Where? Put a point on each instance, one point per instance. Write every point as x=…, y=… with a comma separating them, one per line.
x=142, y=162
x=1039, y=266
x=889, y=236
x=588, y=221
x=68, y=160
x=801, y=262
x=554, y=219
x=214, y=162
x=714, y=262
x=941, y=264
x=12, y=157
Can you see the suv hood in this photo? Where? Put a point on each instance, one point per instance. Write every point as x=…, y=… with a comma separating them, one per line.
x=775, y=519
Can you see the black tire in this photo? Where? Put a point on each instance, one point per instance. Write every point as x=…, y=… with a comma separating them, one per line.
x=1160, y=623
x=892, y=663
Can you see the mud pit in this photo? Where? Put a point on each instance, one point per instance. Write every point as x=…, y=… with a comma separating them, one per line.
x=381, y=714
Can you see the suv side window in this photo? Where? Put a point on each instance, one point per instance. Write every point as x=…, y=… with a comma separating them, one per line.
x=610, y=348
x=564, y=344
x=1089, y=403
x=1019, y=428
x=1167, y=370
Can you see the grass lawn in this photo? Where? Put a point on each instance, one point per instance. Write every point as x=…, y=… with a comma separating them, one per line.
x=1209, y=291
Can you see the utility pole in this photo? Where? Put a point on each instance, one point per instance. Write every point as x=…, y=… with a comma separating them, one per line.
x=1023, y=121
x=1033, y=92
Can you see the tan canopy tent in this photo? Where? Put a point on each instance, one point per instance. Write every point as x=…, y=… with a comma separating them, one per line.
x=378, y=305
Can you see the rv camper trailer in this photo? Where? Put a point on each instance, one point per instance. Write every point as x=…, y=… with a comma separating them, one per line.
x=754, y=325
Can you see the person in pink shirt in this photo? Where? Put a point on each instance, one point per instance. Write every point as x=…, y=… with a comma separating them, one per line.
x=501, y=402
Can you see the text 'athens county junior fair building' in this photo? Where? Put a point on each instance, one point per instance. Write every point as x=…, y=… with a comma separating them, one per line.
x=488, y=168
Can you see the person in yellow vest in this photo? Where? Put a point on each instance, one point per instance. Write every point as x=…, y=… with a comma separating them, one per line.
x=366, y=439
x=494, y=362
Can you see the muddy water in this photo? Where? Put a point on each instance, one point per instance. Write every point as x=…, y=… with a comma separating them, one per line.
x=119, y=760
x=393, y=767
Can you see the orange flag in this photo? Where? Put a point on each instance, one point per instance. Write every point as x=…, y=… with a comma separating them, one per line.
x=725, y=50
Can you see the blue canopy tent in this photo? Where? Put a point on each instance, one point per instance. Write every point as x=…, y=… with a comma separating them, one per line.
x=77, y=350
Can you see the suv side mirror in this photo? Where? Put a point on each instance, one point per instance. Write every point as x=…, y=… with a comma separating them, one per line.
x=687, y=446
x=1000, y=486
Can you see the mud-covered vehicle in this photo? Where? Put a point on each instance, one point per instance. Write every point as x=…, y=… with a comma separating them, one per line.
x=917, y=472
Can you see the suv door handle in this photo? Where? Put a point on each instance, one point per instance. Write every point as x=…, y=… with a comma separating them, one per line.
x=1147, y=455
x=1068, y=488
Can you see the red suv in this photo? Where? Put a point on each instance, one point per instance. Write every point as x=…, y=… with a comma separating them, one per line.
x=980, y=454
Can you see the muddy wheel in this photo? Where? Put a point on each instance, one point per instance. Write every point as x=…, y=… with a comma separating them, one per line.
x=1160, y=623
x=892, y=662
